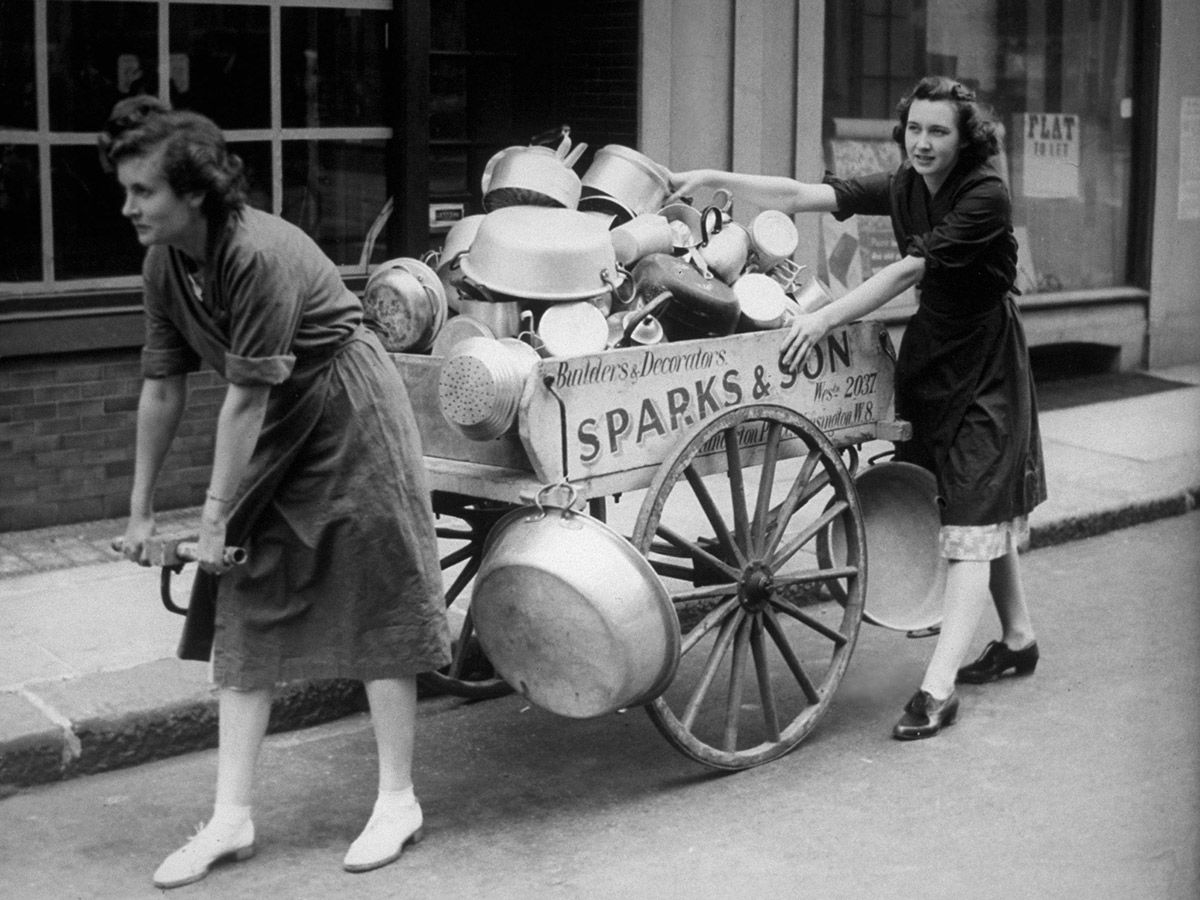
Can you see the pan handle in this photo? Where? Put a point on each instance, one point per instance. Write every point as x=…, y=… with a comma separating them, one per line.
x=706, y=233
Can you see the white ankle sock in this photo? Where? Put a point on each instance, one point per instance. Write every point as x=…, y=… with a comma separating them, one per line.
x=394, y=801
x=228, y=816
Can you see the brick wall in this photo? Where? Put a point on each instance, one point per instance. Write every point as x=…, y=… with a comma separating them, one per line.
x=67, y=439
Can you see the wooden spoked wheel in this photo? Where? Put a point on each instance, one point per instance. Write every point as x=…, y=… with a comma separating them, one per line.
x=469, y=674
x=730, y=523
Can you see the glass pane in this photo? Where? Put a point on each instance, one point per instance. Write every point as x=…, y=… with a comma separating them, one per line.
x=448, y=25
x=334, y=190
x=334, y=71
x=18, y=97
x=448, y=98
x=1069, y=145
x=91, y=237
x=448, y=171
x=220, y=63
x=98, y=53
x=256, y=157
x=20, y=215
x=1056, y=73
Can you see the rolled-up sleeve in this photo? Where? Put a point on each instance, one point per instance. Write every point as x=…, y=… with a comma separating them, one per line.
x=259, y=370
x=977, y=217
x=866, y=196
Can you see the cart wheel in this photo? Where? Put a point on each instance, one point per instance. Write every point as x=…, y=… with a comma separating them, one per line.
x=757, y=484
x=470, y=673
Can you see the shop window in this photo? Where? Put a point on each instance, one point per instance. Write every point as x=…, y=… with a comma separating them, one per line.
x=20, y=214
x=1059, y=75
x=312, y=133
x=334, y=191
x=18, y=100
x=220, y=63
x=334, y=68
x=98, y=53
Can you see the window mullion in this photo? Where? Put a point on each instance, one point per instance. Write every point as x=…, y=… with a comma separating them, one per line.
x=164, y=51
x=276, y=37
x=45, y=195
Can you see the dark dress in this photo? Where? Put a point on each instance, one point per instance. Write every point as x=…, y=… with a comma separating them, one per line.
x=962, y=377
x=343, y=578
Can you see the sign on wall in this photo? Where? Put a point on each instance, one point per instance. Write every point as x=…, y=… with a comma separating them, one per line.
x=1051, y=142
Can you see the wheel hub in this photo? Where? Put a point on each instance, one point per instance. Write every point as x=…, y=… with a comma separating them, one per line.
x=757, y=585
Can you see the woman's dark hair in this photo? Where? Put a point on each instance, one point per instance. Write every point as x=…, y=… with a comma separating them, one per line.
x=975, y=124
x=195, y=157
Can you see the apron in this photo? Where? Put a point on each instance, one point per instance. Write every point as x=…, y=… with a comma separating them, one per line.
x=963, y=381
x=343, y=578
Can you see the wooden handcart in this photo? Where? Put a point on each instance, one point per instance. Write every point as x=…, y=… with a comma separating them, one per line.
x=732, y=477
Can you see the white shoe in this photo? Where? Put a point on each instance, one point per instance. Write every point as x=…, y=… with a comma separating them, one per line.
x=384, y=838
x=209, y=845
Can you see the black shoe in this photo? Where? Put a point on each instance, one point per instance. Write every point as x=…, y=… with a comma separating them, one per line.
x=924, y=717
x=996, y=660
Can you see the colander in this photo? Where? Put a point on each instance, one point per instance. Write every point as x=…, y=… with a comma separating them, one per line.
x=480, y=385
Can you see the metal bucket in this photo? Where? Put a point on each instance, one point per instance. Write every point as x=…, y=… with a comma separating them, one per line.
x=571, y=615
x=906, y=574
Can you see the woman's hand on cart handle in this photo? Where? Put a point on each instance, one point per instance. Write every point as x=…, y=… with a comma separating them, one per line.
x=805, y=333
x=174, y=551
x=134, y=545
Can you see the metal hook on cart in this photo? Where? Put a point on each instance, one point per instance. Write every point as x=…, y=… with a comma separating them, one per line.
x=540, y=500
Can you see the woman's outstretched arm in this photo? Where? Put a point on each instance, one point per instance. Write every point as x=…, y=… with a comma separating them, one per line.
x=764, y=191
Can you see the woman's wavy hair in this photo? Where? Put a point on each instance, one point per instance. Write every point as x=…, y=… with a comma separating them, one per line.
x=195, y=157
x=975, y=124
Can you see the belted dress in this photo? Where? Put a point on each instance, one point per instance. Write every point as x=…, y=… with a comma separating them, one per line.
x=343, y=578
x=963, y=375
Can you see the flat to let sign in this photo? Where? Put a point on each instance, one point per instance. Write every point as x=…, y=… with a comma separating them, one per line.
x=1051, y=157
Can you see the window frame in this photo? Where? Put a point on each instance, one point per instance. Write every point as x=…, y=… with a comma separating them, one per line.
x=51, y=315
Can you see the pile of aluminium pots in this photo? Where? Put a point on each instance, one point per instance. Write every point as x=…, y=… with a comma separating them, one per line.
x=560, y=265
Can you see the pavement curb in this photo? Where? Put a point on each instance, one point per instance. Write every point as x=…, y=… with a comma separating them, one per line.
x=55, y=730
x=1091, y=524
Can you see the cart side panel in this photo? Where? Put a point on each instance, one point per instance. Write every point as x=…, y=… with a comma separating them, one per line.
x=625, y=409
x=439, y=439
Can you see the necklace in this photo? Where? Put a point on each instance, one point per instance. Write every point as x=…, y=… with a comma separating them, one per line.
x=197, y=287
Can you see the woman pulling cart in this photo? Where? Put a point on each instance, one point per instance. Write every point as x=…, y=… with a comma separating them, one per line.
x=317, y=470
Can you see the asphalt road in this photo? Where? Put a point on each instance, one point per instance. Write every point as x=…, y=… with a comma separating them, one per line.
x=1080, y=782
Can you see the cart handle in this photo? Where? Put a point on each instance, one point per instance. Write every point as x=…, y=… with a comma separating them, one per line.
x=176, y=551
